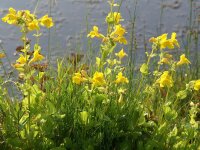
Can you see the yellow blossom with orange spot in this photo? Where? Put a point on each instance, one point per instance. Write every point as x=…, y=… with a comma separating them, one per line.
x=34, y=25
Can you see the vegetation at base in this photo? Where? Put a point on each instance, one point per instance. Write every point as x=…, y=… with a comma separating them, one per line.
x=101, y=106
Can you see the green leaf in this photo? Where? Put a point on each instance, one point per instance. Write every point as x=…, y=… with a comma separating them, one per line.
x=182, y=94
x=144, y=69
x=169, y=113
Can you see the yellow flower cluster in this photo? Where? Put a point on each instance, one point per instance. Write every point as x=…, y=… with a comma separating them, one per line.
x=25, y=19
x=24, y=59
x=118, y=32
x=162, y=42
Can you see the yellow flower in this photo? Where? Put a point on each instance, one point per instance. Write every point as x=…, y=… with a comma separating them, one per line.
x=165, y=80
x=2, y=55
x=174, y=40
x=152, y=40
x=164, y=61
x=118, y=34
x=22, y=59
x=98, y=79
x=34, y=25
x=119, y=31
x=121, y=79
x=78, y=79
x=121, y=40
x=163, y=42
x=113, y=17
x=46, y=21
x=95, y=33
x=11, y=17
x=18, y=65
x=26, y=16
x=36, y=57
x=121, y=54
x=183, y=60
x=197, y=85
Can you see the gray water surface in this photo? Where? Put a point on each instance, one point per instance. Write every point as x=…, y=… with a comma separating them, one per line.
x=72, y=17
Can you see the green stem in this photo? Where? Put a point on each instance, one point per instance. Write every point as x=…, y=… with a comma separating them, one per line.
x=35, y=10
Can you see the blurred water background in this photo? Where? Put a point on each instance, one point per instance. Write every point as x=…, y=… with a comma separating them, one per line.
x=73, y=19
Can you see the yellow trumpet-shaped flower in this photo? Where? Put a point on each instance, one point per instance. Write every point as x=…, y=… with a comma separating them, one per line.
x=34, y=25
x=22, y=59
x=36, y=57
x=78, y=79
x=118, y=34
x=2, y=55
x=11, y=17
x=165, y=80
x=46, y=21
x=121, y=79
x=20, y=62
x=119, y=31
x=166, y=59
x=95, y=33
x=183, y=60
x=197, y=85
x=121, y=54
x=174, y=40
x=26, y=16
x=113, y=17
x=98, y=79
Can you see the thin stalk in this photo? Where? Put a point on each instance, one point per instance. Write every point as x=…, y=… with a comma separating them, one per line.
x=4, y=68
x=161, y=17
x=36, y=6
x=49, y=35
x=132, y=48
